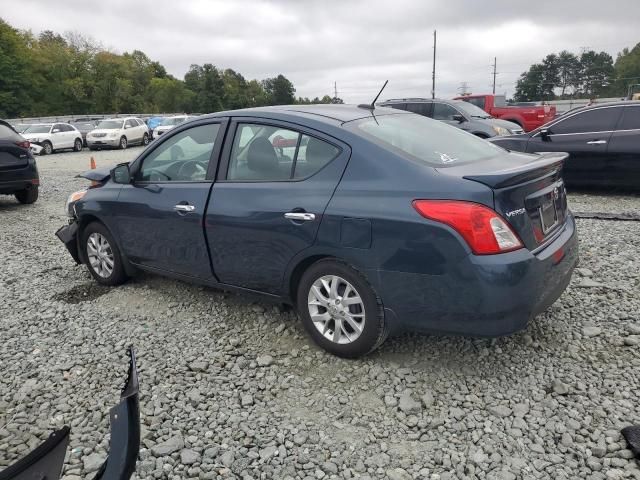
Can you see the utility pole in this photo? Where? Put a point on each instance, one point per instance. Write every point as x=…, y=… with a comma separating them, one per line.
x=495, y=64
x=433, y=73
x=335, y=89
x=464, y=88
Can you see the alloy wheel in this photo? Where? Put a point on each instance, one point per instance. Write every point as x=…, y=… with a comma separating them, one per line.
x=336, y=309
x=100, y=255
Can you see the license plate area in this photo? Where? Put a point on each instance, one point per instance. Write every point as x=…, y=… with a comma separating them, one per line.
x=548, y=211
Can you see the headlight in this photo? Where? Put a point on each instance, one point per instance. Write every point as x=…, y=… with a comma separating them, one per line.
x=73, y=198
x=502, y=132
x=35, y=140
x=113, y=134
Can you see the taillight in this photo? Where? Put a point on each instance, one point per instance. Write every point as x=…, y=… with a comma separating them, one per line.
x=23, y=144
x=482, y=228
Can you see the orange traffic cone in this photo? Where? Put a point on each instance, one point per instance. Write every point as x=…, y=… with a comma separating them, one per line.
x=93, y=167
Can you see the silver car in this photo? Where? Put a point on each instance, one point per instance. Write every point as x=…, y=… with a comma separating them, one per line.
x=458, y=113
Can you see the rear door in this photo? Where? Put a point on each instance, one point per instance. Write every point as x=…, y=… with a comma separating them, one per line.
x=274, y=184
x=585, y=136
x=13, y=153
x=160, y=215
x=623, y=162
x=60, y=136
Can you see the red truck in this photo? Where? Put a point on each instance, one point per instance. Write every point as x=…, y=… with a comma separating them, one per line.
x=529, y=117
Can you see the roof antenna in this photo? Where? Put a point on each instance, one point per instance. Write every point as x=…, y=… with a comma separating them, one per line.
x=373, y=104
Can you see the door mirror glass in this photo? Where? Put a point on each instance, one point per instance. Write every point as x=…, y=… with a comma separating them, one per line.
x=544, y=134
x=459, y=118
x=55, y=130
x=121, y=174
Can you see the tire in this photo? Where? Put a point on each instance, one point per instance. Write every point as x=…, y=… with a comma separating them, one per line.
x=145, y=139
x=28, y=195
x=102, y=255
x=47, y=148
x=123, y=143
x=367, y=314
x=77, y=145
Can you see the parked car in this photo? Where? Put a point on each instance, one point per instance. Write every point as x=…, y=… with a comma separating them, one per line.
x=152, y=123
x=603, y=142
x=457, y=113
x=168, y=123
x=84, y=127
x=54, y=136
x=18, y=170
x=528, y=117
x=384, y=220
x=118, y=133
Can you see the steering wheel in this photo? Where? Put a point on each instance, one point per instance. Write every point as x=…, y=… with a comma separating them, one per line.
x=191, y=170
x=158, y=176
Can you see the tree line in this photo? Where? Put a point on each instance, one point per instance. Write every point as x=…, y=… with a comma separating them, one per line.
x=51, y=74
x=590, y=74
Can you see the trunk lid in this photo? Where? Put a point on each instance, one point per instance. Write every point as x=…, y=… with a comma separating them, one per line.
x=528, y=192
x=12, y=155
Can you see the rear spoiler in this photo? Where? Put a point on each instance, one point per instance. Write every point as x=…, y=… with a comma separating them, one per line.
x=545, y=164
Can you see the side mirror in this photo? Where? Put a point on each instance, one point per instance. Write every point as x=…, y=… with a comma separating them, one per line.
x=121, y=174
x=459, y=118
x=55, y=130
x=544, y=134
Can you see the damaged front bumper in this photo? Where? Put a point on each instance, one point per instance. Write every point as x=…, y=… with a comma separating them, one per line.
x=46, y=461
x=69, y=236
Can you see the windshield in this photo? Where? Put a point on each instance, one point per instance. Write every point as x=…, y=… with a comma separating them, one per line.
x=425, y=140
x=471, y=110
x=172, y=121
x=38, y=129
x=110, y=124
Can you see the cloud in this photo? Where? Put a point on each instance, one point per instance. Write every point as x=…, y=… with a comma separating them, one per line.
x=357, y=44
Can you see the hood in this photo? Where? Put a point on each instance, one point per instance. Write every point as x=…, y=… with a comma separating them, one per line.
x=30, y=136
x=101, y=174
x=105, y=130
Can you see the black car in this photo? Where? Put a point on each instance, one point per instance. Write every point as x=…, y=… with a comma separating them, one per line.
x=18, y=171
x=84, y=127
x=603, y=142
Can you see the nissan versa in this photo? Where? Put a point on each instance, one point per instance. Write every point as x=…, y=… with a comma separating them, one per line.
x=367, y=220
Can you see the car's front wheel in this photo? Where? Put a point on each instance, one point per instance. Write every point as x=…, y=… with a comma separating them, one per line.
x=47, y=148
x=340, y=310
x=77, y=145
x=123, y=143
x=102, y=255
x=145, y=139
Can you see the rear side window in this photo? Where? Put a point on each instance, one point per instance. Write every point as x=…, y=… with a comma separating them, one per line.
x=596, y=120
x=268, y=153
x=7, y=133
x=424, y=140
x=630, y=118
x=419, y=108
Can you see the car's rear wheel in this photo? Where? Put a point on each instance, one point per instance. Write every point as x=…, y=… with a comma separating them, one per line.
x=77, y=145
x=102, y=255
x=28, y=195
x=123, y=143
x=47, y=148
x=145, y=139
x=340, y=310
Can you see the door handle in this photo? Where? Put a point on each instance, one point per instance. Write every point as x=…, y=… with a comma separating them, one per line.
x=184, y=208
x=597, y=142
x=300, y=216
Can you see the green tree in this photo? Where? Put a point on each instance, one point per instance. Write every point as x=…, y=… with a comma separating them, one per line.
x=568, y=73
x=280, y=90
x=627, y=71
x=596, y=73
x=15, y=81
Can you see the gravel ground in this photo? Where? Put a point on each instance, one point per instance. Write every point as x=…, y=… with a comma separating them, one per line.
x=231, y=388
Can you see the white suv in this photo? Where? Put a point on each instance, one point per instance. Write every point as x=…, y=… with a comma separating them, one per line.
x=118, y=133
x=168, y=123
x=48, y=137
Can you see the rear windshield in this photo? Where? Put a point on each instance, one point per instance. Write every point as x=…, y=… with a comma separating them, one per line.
x=38, y=129
x=110, y=124
x=425, y=140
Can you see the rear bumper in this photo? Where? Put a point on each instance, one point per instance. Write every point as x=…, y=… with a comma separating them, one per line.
x=12, y=181
x=483, y=295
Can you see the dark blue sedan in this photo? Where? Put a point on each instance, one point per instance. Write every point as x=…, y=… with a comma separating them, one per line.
x=368, y=221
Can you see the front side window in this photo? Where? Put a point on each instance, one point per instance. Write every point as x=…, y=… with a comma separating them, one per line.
x=424, y=140
x=442, y=111
x=596, y=120
x=269, y=153
x=181, y=158
x=130, y=123
x=110, y=124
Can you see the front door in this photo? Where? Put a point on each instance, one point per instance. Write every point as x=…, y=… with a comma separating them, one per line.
x=269, y=200
x=160, y=215
x=446, y=113
x=585, y=135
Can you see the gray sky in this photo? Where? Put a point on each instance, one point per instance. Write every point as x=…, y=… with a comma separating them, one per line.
x=357, y=43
